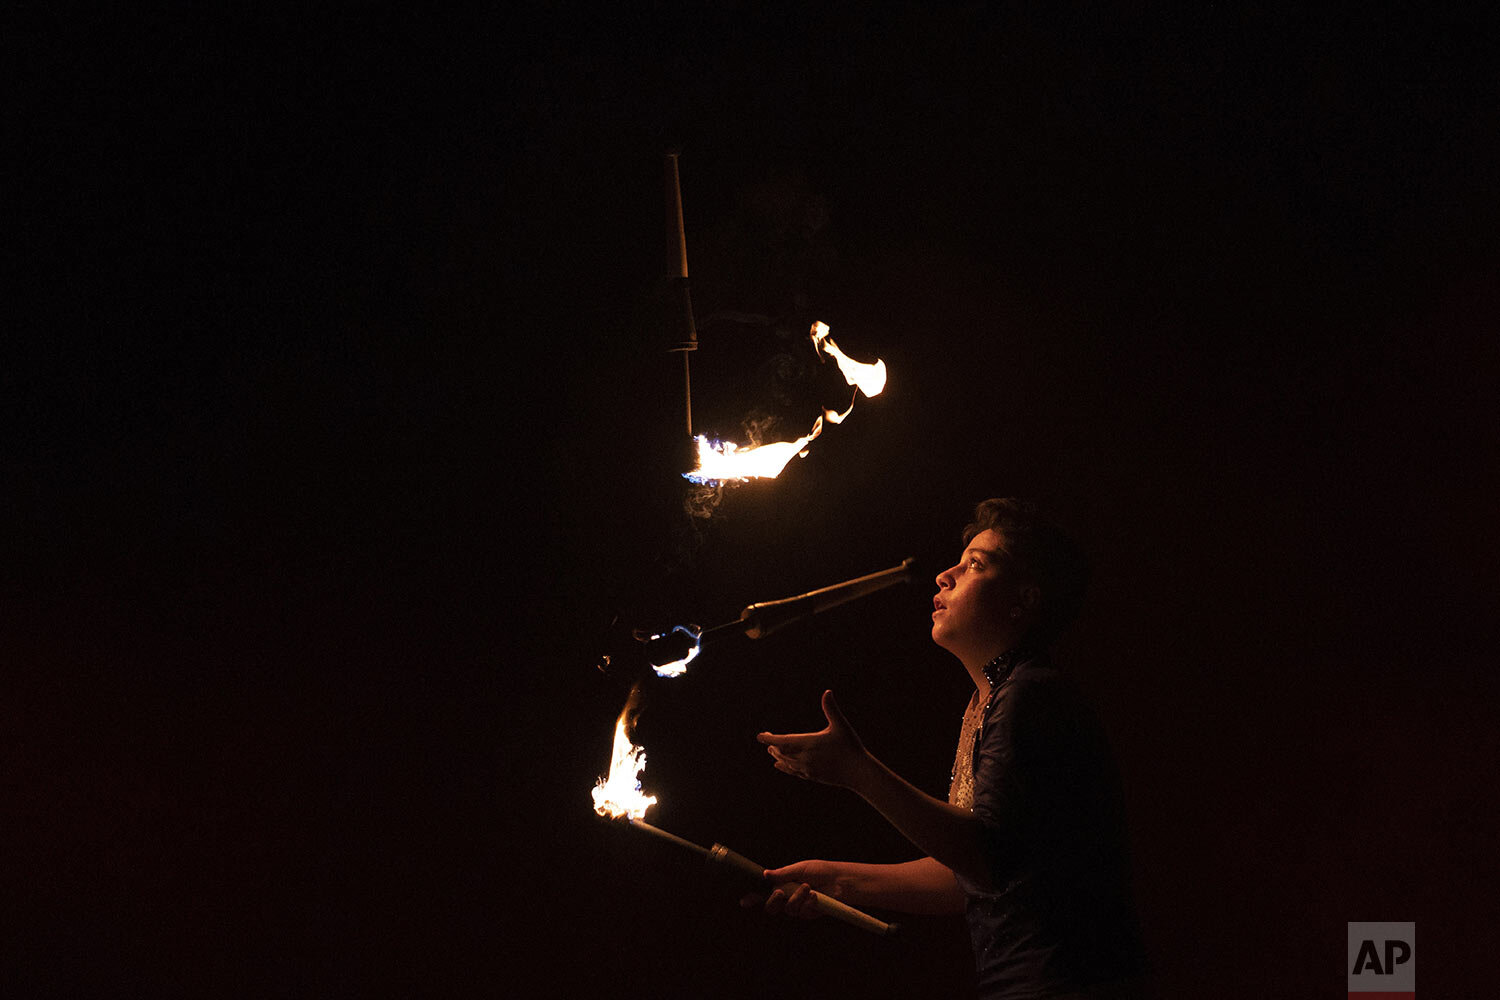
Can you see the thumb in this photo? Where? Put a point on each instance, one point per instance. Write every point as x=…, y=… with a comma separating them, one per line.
x=833, y=713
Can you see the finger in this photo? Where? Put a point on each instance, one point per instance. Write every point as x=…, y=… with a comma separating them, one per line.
x=800, y=902
x=791, y=765
x=794, y=759
x=776, y=901
x=794, y=741
x=833, y=713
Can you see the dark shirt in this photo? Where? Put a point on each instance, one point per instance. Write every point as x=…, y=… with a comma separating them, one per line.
x=1056, y=913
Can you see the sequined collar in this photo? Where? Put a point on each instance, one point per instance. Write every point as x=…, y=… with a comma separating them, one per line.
x=961, y=781
x=998, y=669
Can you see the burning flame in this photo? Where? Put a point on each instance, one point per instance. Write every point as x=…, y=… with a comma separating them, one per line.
x=620, y=794
x=835, y=417
x=867, y=378
x=679, y=667
x=720, y=462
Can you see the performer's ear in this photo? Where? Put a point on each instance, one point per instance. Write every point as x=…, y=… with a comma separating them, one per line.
x=1031, y=597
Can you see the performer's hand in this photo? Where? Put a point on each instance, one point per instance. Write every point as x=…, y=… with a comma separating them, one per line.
x=794, y=894
x=832, y=756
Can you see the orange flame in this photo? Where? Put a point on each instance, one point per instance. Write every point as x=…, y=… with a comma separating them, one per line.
x=620, y=794
x=720, y=462
x=724, y=461
x=835, y=417
x=867, y=378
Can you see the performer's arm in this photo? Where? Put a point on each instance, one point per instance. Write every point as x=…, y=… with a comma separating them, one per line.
x=922, y=886
x=952, y=836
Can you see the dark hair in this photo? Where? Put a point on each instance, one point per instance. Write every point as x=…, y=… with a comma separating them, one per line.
x=1044, y=554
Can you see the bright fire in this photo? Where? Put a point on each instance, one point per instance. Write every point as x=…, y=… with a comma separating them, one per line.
x=679, y=667
x=867, y=378
x=721, y=461
x=620, y=794
x=725, y=461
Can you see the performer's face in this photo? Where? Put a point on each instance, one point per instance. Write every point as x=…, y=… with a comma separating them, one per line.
x=971, y=611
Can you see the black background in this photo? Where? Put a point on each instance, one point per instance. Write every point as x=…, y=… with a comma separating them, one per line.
x=339, y=427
